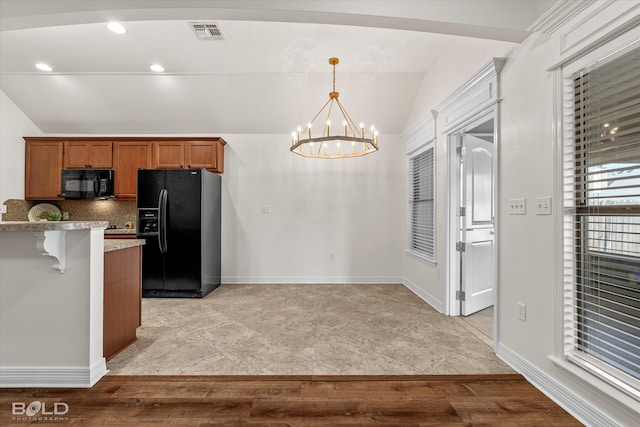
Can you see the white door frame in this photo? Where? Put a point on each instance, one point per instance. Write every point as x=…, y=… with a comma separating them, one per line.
x=453, y=194
x=476, y=98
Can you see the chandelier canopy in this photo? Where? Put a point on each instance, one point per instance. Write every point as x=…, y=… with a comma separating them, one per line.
x=349, y=141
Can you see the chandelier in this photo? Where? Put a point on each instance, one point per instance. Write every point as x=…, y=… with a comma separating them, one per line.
x=348, y=139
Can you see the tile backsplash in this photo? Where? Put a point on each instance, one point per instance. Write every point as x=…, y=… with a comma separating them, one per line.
x=116, y=212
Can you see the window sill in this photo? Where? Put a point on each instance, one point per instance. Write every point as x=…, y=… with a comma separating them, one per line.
x=422, y=258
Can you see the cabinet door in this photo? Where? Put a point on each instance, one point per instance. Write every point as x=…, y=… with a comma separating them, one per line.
x=168, y=155
x=43, y=166
x=205, y=154
x=128, y=157
x=88, y=154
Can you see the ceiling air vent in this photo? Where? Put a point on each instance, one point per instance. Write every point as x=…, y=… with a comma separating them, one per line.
x=206, y=30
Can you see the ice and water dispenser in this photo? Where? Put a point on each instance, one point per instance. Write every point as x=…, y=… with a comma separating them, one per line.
x=148, y=222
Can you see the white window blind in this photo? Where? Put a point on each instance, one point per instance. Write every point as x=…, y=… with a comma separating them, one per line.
x=422, y=204
x=602, y=221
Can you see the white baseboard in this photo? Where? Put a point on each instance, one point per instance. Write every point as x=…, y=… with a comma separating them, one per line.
x=310, y=280
x=424, y=295
x=579, y=408
x=72, y=377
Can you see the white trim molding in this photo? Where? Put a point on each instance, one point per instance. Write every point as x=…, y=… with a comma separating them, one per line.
x=311, y=280
x=424, y=295
x=422, y=132
x=592, y=27
x=559, y=14
x=65, y=377
x=583, y=410
x=478, y=93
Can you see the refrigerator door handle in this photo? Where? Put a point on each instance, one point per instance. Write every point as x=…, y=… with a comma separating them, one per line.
x=162, y=219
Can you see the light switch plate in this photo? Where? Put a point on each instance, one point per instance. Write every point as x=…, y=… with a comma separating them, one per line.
x=543, y=205
x=518, y=206
x=3, y=209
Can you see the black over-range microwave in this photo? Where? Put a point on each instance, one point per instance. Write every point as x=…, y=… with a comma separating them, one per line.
x=87, y=184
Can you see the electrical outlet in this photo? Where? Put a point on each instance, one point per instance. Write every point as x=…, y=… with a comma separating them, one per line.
x=266, y=209
x=522, y=312
x=518, y=206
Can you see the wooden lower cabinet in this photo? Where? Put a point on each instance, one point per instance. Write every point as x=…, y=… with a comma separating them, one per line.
x=122, y=299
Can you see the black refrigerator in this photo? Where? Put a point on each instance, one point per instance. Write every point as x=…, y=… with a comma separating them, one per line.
x=178, y=214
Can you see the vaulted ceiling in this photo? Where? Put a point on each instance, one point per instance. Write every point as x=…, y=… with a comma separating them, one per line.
x=268, y=73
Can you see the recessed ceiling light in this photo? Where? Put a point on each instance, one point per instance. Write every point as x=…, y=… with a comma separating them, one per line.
x=43, y=67
x=116, y=27
x=157, y=68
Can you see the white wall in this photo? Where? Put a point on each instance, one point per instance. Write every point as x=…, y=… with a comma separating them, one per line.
x=529, y=245
x=14, y=125
x=462, y=61
x=351, y=208
x=528, y=257
x=526, y=242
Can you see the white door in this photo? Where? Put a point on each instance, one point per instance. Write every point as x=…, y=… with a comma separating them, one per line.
x=477, y=225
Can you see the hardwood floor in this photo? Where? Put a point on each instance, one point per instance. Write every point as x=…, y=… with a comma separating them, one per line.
x=436, y=400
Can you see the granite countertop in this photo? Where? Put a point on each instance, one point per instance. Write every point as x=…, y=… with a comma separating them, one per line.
x=117, y=244
x=51, y=225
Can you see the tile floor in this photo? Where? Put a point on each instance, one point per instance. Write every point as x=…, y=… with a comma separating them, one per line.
x=482, y=322
x=305, y=330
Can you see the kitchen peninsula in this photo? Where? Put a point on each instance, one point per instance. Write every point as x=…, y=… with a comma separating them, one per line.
x=53, y=291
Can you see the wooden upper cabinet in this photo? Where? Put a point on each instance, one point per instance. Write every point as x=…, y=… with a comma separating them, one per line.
x=128, y=157
x=189, y=154
x=43, y=163
x=46, y=157
x=88, y=154
x=205, y=154
x=168, y=155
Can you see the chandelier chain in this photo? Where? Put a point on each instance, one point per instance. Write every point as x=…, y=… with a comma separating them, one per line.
x=334, y=77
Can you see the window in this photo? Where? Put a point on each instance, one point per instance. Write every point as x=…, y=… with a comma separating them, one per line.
x=422, y=203
x=602, y=222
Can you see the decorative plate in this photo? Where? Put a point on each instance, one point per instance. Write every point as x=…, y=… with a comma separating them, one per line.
x=42, y=211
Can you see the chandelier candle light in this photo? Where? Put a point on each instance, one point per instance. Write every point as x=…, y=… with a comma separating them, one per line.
x=327, y=146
